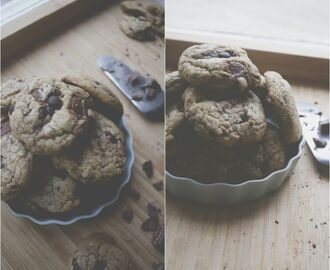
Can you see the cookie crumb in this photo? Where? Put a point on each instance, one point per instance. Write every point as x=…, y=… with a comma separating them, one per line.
x=150, y=225
x=148, y=168
x=127, y=215
x=159, y=186
x=153, y=210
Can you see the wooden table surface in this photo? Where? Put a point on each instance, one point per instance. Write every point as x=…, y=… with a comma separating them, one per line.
x=287, y=229
x=76, y=46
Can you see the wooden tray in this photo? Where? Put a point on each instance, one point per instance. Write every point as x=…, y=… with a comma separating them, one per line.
x=76, y=45
x=287, y=229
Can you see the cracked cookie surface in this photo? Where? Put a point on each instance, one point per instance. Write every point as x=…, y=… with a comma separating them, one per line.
x=100, y=251
x=98, y=156
x=226, y=69
x=104, y=99
x=49, y=115
x=16, y=164
x=232, y=121
x=283, y=106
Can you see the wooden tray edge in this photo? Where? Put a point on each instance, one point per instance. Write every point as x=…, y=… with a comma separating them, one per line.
x=289, y=65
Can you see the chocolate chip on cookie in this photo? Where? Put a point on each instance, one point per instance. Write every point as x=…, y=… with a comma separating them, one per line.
x=226, y=69
x=49, y=115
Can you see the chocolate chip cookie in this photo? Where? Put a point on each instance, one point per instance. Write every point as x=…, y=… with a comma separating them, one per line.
x=16, y=164
x=104, y=99
x=231, y=121
x=175, y=87
x=142, y=20
x=226, y=69
x=8, y=92
x=100, y=251
x=258, y=160
x=54, y=194
x=174, y=119
x=283, y=106
x=98, y=156
x=49, y=115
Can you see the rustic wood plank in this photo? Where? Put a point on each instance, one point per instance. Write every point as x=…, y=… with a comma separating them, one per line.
x=29, y=246
x=247, y=236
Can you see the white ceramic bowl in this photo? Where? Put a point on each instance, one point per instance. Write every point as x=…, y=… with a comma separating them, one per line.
x=223, y=193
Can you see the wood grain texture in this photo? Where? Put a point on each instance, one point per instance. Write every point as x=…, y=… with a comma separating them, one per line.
x=287, y=229
x=26, y=245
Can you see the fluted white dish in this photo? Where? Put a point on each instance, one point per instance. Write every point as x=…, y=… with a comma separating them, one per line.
x=224, y=193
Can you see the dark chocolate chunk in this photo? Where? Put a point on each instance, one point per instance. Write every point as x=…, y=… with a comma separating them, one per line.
x=159, y=185
x=153, y=210
x=237, y=69
x=219, y=54
x=127, y=215
x=55, y=102
x=150, y=225
x=148, y=168
x=133, y=78
x=78, y=105
x=319, y=143
x=158, y=238
x=137, y=97
x=150, y=93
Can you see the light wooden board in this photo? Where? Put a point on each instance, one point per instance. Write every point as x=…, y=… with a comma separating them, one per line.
x=247, y=236
x=76, y=46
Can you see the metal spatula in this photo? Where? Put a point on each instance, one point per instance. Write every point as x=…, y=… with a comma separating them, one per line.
x=143, y=92
x=315, y=130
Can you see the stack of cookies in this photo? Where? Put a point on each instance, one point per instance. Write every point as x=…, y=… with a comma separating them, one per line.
x=58, y=134
x=225, y=121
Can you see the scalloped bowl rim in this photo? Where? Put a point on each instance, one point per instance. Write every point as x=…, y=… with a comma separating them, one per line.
x=248, y=182
x=94, y=212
